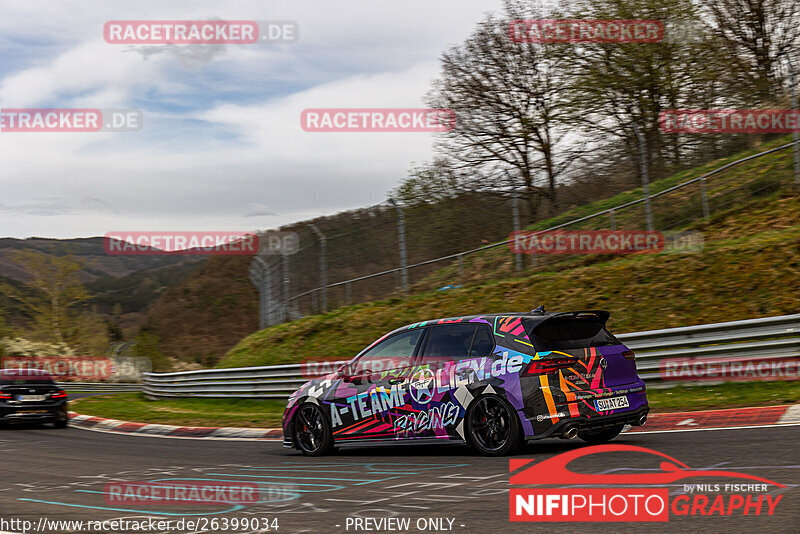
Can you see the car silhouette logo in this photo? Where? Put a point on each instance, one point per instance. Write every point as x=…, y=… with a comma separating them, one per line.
x=603, y=363
x=554, y=470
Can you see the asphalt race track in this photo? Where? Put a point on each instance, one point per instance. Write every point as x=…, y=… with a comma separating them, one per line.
x=61, y=474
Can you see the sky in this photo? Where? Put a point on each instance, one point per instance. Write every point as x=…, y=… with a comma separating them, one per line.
x=221, y=146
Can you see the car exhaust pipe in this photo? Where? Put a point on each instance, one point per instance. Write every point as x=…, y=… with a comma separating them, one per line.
x=642, y=420
x=570, y=433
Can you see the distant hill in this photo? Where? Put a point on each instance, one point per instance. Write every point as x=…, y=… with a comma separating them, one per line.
x=204, y=315
x=131, y=282
x=90, y=250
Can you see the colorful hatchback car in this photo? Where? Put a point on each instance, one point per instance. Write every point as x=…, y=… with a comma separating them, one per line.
x=491, y=381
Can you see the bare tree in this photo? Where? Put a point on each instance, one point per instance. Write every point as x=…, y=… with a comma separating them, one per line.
x=615, y=86
x=510, y=113
x=758, y=35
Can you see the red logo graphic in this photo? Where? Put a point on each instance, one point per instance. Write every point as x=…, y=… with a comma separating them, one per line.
x=586, y=242
x=729, y=120
x=621, y=504
x=80, y=368
x=181, y=243
x=180, y=32
x=730, y=369
x=174, y=492
x=586, y=31
x=377, y=120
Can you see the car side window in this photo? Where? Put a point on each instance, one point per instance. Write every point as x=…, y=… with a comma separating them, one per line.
x=483, y=344
x=448, y=343
x=393, y=353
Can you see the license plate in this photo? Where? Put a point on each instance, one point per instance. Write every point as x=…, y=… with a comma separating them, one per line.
x=31, y=398
x=604, y=405
x=31, y=411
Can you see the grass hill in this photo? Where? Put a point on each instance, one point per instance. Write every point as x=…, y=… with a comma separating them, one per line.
x=748, y=268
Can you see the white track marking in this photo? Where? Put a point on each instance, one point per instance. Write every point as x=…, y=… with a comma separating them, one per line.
x=792, y=415
x=776, y=425
x=170, y=437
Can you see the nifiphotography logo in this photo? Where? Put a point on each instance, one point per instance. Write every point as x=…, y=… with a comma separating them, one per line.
x=642, y=499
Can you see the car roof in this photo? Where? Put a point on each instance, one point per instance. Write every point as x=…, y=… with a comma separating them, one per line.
x=24, y=372
x=535, y=318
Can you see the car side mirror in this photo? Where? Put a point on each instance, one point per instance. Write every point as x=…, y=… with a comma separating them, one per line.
x=344, y=370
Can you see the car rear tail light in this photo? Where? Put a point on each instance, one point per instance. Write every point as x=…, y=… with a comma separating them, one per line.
x=58, y=394
x=3, y=396
x=550, y=365
x=629, y=355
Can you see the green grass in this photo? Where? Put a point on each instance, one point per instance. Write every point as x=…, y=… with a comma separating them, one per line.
x=750, y=271
x=267, y=413
x=728, y=395
x=748, y=268
x=251, y=413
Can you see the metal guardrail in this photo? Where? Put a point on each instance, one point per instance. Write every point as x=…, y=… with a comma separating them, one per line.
x=752, y=340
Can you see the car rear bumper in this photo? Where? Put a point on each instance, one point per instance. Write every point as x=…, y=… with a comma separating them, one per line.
x=29, y=414
x=583, y=423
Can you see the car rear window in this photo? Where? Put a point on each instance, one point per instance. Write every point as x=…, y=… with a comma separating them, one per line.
x=21, y=378
x=568, y=332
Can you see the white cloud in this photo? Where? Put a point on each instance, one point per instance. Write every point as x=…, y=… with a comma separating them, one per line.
x=222, y=146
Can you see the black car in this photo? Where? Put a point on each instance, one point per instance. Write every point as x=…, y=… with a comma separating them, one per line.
x=31, y=396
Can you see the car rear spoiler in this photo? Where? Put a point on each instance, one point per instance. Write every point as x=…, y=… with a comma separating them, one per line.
x=600, y=315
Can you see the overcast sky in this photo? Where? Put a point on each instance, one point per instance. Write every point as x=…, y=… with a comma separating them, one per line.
x=221, y=147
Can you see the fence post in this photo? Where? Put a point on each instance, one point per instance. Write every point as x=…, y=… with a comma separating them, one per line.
x=401, y=245
x=613, y=218
x=260, y=277
x=795, y=135
x=461, y=268
x=284, y=311
x=323, y=264
x=648, y=213
x=515, y=222
x=704, y=197
x=347, y=293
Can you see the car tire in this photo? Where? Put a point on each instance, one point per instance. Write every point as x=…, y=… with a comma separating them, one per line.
x=312, y=431
x=61, y=424
x=601, y=436
x=492, y=426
